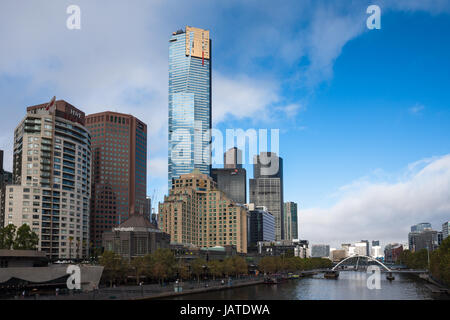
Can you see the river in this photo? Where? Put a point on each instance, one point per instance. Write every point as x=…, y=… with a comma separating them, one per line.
x=350, y=285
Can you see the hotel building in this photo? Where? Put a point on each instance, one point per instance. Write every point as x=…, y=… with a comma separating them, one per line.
x=52, y=179
x=195, y=212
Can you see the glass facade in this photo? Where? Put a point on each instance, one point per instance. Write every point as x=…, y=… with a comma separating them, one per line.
x=189, y=103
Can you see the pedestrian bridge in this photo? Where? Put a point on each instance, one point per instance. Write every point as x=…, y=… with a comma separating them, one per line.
x=385, y=267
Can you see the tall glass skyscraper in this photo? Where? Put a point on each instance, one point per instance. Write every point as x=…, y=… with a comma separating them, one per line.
x=189, y=102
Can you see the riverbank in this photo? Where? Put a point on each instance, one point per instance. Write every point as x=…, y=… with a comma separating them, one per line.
x=202, y=290
x=434, y=286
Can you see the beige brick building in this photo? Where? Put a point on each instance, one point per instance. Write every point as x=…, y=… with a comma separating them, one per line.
x=196, y=212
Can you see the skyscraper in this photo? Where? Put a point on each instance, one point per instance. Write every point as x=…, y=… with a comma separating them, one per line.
x=232, y=179
x=232, y=159
x=119, y=181
x=290, y=221
x=189, y=102
x=266, y=188
x=52, y=179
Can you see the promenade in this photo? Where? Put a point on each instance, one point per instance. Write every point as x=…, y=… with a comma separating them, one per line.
x=152, y=291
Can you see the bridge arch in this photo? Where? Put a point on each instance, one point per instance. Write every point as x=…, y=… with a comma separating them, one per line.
x=361, y=256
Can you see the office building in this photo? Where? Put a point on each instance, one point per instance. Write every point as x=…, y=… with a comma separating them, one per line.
x=261, y=225
x=290, y=221
x=148, y=208
x=375, y=243
x=376, y=252
x=197, y=213
x=392, y=252
x=445, y=230
x=320, y=251
x=233, y=178
x=266, y=187
x=119, y=170
x=232, y=159
x=421, y=227
x=5, y=179
x=338, y=255
x=189, y=102
x=422, y=236
x=52, y=179
x=361, y=248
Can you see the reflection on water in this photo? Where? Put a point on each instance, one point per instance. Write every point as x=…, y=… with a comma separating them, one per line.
x=351, y=285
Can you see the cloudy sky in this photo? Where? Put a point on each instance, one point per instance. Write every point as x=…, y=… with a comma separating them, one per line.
x=363, y=114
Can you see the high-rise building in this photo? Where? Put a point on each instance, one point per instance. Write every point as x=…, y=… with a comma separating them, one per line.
x=261, y=225
x=232, y=159
x=375, y=243
x=320, y=251
x=367, y=247
x=232, y=179
x=290, y=221
x=376, y=252
x=233, y=182
x=445, y=230
x=52, y=179
x=197, y=213
x=421, y=227
x=266, y=187
x=5, y=179
x=427, y=239
x=189, y=102
x=361, y=248
x=119, y=181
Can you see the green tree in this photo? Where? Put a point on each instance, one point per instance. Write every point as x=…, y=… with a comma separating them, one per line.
x=25, y=239
x=7, y=236
x=240, y=266
x=164, y=264
x=139, y=267
x=215, y=268
x=440, y=262
x=115, y=267
x=183, y=270
x=228, y=267
x=267, y=265
x=198, y=267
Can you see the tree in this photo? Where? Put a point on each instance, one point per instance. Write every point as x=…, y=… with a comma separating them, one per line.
x=215, y=268
x=115, y=267
x=267, y=265
x=164, y=264
x=7, y=236
x=25, y=239
x=183, y=270
x=197, y=267
x=139, y=266
x=228, y=267
x=240, y=266
x=440, y=262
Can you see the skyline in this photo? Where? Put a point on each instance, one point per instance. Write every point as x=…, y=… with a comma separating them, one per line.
x=372, y=158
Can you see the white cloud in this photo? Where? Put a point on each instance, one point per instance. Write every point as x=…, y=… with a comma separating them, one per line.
x=383, y=210
x=417, y=109
x=242, y=97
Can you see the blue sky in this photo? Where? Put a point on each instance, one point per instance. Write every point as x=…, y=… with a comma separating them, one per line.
x=363, y=114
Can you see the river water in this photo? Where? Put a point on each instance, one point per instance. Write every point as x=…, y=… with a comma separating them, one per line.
x=350, y=285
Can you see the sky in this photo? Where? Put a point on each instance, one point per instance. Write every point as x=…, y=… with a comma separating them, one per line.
x=363, y=114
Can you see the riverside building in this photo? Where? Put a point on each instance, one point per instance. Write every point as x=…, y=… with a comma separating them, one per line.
x=52, y=179
x=197, y=213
